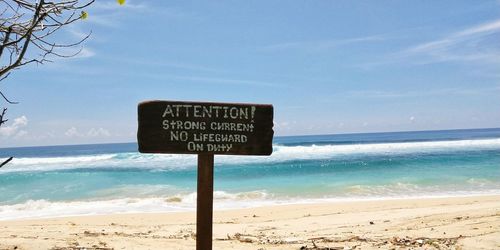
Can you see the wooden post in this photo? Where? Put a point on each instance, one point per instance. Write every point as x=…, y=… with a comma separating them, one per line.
x=204, y=201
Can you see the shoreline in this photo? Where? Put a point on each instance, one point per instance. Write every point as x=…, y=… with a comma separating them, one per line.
x=469, y=222
x=192, y=208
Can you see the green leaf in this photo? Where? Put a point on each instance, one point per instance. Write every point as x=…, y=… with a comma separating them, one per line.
x=84, y=15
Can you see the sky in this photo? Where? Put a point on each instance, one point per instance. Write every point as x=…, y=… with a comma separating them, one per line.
x=328, y=67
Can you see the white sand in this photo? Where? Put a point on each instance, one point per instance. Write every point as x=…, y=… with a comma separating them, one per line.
x=445, y=223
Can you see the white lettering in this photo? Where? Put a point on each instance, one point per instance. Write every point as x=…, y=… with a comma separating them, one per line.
x=168, y=111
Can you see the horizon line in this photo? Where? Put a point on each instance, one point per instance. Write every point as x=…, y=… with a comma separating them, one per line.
x=301, y=135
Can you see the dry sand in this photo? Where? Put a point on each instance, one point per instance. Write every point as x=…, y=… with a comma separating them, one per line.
x=437, y=223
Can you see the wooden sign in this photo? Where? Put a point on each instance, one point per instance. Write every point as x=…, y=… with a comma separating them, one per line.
x=204, y=127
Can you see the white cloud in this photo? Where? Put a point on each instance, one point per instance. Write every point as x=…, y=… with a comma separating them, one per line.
x=14, y=128
x=93, y=132
x=73, y=132
x=21, y=121
x=489, y=27
x=474, y=44
x=98, y=132
x=477, y=43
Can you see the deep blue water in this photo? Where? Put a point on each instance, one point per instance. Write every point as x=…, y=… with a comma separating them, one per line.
x=83, y=179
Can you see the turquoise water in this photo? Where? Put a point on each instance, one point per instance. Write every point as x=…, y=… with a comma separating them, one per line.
x=106, y=178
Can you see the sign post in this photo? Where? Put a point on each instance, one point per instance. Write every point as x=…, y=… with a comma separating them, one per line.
x=206, y=129
x=204, y=201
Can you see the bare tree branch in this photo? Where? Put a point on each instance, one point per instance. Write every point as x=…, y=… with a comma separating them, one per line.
x=2, y=121
x=30, y=24
x=6, y=99
x=6, y=161
x=38, y=17
x=18, y=30
x=5, y=40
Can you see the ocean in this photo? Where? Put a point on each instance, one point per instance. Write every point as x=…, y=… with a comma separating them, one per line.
x=114, y=178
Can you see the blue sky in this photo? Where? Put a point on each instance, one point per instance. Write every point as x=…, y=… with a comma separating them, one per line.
x=327, y=67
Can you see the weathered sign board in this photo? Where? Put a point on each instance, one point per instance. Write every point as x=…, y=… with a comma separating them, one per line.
x=204, y=127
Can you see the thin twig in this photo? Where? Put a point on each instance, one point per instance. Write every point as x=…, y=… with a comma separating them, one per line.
x=6, y=161
x=6, y=99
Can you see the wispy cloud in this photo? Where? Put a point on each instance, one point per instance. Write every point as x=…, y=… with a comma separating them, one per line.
x=226, y=81
x=163, y=64
x=71, y=53
x=423, y=93
x=112, y=5
x=321, y=45
x=109, y=13
x=85, y=53
x=209, y=79
x=76, y=33
x=477, y=43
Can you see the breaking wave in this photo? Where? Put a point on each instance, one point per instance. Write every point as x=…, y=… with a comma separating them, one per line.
x=222, y=200
x=281, y=154
x=176, y=203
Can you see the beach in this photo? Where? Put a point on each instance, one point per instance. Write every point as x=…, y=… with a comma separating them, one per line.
x=427, y=223
x=321, y=126
x=428, y=189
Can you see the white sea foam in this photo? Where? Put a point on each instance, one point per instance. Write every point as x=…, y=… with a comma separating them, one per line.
x=178, y=203
x=281, y=154
x=401, y=189
x=175, y=203
x=61, y=160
